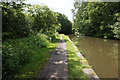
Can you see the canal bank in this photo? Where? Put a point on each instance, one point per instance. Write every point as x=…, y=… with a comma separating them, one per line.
x=85, y=67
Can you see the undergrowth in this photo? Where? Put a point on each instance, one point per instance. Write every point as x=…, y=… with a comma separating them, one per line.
x=25, y=57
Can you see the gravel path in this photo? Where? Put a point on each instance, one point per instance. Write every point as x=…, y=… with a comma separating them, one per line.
x=57, y=67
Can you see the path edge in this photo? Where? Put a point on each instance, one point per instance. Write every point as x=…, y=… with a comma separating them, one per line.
x=88, y=71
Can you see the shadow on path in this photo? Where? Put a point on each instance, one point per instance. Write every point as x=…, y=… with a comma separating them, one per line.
x=57, y=67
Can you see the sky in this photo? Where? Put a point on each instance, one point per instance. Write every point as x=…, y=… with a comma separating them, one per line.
x=61, y=6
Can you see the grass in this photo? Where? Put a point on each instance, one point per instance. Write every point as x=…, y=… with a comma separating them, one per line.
x=33, y=69
x=75, y=67
x=26, y=57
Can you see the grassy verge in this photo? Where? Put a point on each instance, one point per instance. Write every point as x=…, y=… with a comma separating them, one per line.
x=24, y=58
x=75, y=67
x=33, y=69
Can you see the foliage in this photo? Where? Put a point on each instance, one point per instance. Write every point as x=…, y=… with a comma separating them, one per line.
x=44, y=20
x=22, y=20
x=14, y=20
x=38, y=61
x=26, y=31
x=66, y=25
x=97, y=19
x=18, y=52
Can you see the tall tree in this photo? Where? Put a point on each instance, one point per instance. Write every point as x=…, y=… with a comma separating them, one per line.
x=66, y=25
x=96, y=19
x=14, y=20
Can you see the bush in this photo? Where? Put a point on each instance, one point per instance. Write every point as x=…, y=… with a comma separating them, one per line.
x=14, y=20
x=17, y=52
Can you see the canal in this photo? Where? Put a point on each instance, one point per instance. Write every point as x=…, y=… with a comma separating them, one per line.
x=102, y=54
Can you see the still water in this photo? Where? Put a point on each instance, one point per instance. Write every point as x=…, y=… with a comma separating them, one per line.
x=102, y=54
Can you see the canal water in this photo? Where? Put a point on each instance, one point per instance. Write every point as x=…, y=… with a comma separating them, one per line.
x=102, y=54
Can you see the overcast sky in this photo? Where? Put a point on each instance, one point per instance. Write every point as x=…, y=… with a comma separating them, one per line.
x=61, y=6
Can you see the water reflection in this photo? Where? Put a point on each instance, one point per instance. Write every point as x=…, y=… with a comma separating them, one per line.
x=102, y=54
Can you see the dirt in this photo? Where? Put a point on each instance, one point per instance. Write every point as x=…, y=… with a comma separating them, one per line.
x=57, y=67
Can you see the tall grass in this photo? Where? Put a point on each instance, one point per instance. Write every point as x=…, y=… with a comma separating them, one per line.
x=17, y=53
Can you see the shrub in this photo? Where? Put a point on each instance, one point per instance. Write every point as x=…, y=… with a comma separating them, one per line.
x=17, y=52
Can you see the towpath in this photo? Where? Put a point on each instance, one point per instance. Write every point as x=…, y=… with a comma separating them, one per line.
x=57, y=67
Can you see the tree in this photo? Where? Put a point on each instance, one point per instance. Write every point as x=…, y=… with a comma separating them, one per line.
x=22, y=20
x=95, y=19
x=14, y=20
x=66, y=25
x=45, y=20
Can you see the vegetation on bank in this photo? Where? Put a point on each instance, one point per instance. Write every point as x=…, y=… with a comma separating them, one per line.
x=98, y=19
x=75, y=67
x=33, y=69
x=24, y=58
x=30, y=32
